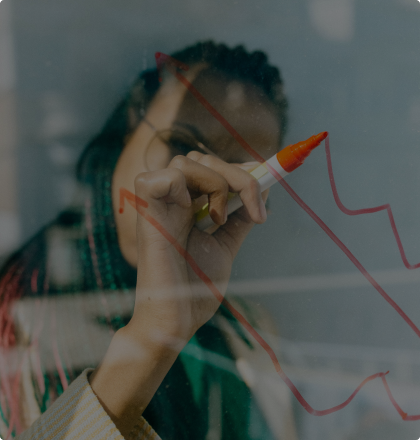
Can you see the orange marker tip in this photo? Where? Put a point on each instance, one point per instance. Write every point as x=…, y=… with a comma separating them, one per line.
x=121, y=210
x=293, y=156
x=321, y=136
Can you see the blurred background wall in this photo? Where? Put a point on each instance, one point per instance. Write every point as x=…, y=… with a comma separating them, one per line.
x=10, y=226
x=351, y=67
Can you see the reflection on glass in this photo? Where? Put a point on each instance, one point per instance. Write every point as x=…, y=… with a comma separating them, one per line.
x=351, y=68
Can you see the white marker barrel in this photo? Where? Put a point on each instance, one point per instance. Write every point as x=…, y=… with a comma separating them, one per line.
x=265, y=178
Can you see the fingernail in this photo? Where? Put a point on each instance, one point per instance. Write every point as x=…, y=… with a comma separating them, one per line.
x=263, y=211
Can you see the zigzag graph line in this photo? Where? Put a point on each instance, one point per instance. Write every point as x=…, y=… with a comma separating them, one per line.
x=141, y=206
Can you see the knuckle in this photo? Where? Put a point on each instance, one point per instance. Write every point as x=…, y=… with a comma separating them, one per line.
x=178, y=162
x=173, y=176
x=194, y=155
x=222, y=185
x=141, y=179
x=254, y=185
x=208, y=160
x=176, y=175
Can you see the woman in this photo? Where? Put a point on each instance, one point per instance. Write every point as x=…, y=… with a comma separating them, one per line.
x=164, y=140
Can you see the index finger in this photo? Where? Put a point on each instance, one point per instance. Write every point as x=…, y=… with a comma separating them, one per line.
x=240, y=181
x=203, y=180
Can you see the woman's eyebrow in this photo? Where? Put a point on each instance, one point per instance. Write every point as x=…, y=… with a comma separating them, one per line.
x=194, y=131
x=201, y=138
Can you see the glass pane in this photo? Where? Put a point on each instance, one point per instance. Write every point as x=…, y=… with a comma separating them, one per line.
x=320, y=297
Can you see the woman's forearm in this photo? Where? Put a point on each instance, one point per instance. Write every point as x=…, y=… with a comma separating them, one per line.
x=132, y=370
x=172, y=302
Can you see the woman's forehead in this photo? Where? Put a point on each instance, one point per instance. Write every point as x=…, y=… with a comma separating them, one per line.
x=243, y=105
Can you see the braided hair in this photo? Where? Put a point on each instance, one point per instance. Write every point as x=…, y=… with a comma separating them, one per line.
x=237, y=63
x=99, y=259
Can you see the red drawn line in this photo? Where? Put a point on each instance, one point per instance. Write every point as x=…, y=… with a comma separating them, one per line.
x=403, y=414
x=34, y=280
x=386, y=207
x=351, y=257
x=94, y=257
x=138, y=203
x=57, y=358
x=91, y=241
x=171, y=64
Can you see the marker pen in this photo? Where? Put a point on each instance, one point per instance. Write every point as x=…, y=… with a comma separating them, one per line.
x=284, y=162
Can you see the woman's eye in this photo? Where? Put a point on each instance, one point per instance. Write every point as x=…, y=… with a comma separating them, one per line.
x=182, y=145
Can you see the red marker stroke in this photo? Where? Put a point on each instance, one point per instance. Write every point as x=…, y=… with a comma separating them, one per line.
x=141, y=206
x=386, y=207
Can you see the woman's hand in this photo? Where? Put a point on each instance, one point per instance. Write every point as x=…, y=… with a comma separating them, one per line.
x=172, y=303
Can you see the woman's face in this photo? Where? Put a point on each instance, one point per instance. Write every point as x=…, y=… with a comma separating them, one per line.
x=243, y=105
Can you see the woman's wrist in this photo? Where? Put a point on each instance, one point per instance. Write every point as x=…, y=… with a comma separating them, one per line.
x=129, y=375
x=163, y=312
x=160, y=332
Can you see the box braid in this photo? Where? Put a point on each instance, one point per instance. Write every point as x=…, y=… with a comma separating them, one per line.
x=103, y=266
